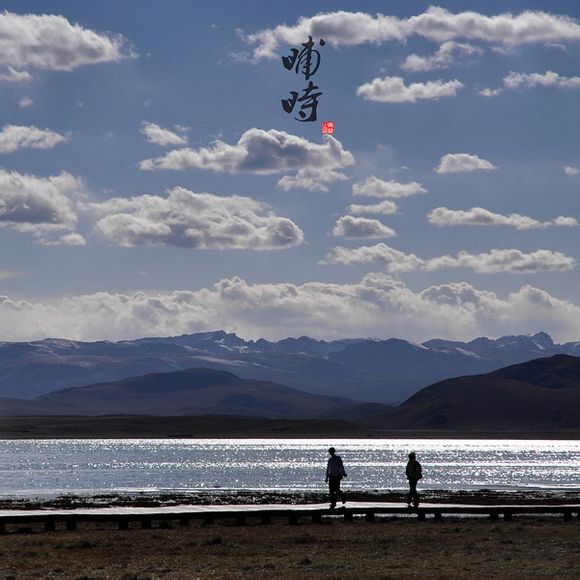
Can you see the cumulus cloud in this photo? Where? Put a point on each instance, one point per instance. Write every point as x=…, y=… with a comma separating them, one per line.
x=394, y=90
x=479, y=216
x=436, y=24
x=194, y=220
x=312, y=178
x=263, y=153
x=548, y=79
x=72, y=240
x=164, y=137
x=568, y=170
x=512, y=261
x=14, y=137
x=51, y=42
x=448, y=54
x=377, y=306
x=496, y=261
x=515, y=81
x=361, y=228
x=463, y=163
x=391, y=259
x=375, y=187
x=384, y=207
x=40, y=206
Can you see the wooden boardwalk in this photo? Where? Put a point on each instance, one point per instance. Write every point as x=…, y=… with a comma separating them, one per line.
x=144, y=517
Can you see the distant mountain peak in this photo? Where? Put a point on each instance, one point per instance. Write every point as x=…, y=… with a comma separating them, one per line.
x=543, y=339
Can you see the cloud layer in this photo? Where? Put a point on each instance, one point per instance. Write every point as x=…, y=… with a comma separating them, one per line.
x=495, y=261
x=377, y=306
x=194, y=220
x=343, y=28
x=263, y=153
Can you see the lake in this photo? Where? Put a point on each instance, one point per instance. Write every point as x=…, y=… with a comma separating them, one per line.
x=80, y=466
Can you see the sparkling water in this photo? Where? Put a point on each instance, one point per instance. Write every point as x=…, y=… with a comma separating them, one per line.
x=94, y=466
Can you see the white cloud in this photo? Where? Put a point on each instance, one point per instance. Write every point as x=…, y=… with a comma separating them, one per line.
x=448, y=54
x=14, y=137
x=394, y=90
x=72, y=240
x=496, y=261
x=548, y=79
x=375, y=187
x=263, y=153
x=312, y=178
x=25, y=102
x=463, y=163
x=13, y=76
x=164, y=137
x=479, y=216
x=384, y=207
x=361, y=228
x=392, y=260
x=568, y=170
x=564, y=221
x=194, y=220
x=40, y=206
x=512, y=261
x=377, y=306
x=490, y=92
x=343, y=28
x=515, y=81
x=51, y=42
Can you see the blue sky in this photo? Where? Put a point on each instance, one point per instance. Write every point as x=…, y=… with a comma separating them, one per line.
x=151, y=184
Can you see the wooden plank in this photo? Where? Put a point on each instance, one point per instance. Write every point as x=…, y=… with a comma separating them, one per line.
x=123, y=516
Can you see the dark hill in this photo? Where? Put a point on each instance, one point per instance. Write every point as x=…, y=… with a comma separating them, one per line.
x=540, y=394
x=194, y=391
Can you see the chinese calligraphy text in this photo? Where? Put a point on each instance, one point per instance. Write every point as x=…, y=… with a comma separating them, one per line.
x=305, y=62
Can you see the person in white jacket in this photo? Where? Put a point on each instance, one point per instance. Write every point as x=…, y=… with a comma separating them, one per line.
x=334, y=474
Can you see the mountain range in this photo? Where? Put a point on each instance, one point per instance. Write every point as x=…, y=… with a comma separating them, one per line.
x=539, y=394
x=383, y=371
x=542, y=394
x=189, y=392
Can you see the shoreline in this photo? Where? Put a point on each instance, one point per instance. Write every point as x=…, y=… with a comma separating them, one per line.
x=253, y=497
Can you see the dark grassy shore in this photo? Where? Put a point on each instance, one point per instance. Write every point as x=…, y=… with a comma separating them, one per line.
x=122, y=426
x=391, y=547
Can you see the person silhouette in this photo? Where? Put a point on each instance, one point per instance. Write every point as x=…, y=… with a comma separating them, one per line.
x=414, y=473
x=334, y=474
